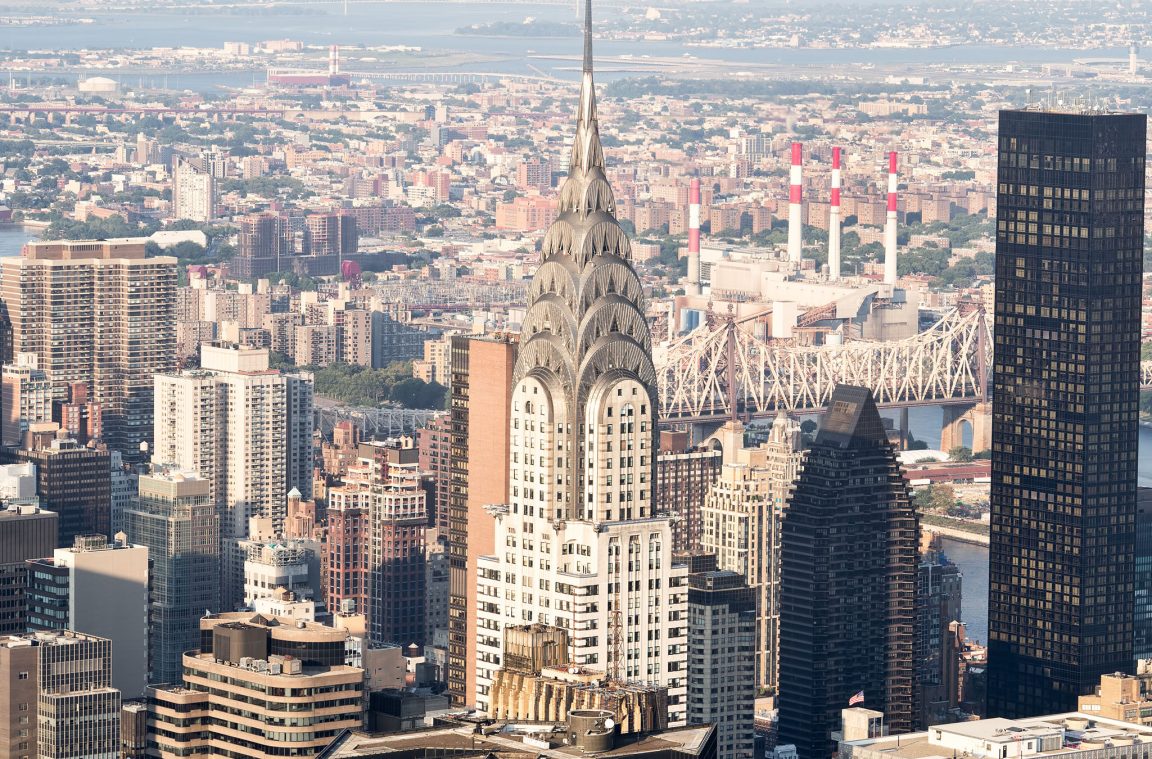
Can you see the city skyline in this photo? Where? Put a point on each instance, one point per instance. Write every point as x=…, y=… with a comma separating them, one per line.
x=770, y=382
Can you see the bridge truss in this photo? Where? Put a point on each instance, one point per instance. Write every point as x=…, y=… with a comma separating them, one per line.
x=374, y=423
x=947, y=364
x=721, y=370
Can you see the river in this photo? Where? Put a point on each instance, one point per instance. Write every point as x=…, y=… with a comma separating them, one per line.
x=432, y=27
x=973, y=559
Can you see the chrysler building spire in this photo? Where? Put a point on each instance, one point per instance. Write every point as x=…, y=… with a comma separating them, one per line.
x=580, y=514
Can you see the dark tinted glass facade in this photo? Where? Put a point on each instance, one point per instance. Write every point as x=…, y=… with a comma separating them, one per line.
x=1069, y=248
x=849, y=559
x=1143, y=621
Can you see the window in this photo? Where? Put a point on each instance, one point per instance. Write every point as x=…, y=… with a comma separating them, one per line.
x=22, y=676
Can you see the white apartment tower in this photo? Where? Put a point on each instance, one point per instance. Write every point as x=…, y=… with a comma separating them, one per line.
x=579, y=543
x=193, y=191
x=245, y=428
x=741, y=524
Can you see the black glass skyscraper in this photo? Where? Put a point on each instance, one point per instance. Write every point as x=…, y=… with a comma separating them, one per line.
x=848, y=581
x=1069, y=248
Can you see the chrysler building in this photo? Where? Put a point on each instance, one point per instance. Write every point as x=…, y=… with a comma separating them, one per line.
x=579, y=543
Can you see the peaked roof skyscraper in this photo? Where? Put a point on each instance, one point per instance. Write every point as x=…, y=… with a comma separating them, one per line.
x=848, y=580
x=582, y=445
x=586, y=305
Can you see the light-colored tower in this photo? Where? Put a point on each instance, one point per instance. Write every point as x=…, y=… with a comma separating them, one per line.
x=890, y=223
x=795, y=204
x=244, y=428
x=100, y=313
x=99, y=588
x=579, y=545
x=193, y=192
x=834, y=220
x=27, y=398
x=693, y=287
x=742, y=524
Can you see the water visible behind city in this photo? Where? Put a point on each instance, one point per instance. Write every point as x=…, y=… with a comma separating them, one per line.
x=432, y=27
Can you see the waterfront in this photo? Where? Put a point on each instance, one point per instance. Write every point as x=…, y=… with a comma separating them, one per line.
x=973, y=562
x=13, y=237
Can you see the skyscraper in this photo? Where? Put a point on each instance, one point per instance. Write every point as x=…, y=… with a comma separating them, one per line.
x=578, y=542
x=27, y=398
x=721, y=640
x=939, y=586
x=175, y=519
x=26, y=532
x=380, y=510
x=99, y=588
x=1069, y=248
x=56, y=697
x=264, y=240
x=245, y=428
x=742, y=524
x=101, y=313
x=76, y=483
x=848, y=580
x=479, y=452
x=1142, y=634
x=193, y=190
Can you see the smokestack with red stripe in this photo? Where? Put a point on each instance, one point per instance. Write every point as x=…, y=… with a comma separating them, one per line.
x=693, y=237
x=890, y=226
x=795, y=198
x=334, y=60
x=834, y=219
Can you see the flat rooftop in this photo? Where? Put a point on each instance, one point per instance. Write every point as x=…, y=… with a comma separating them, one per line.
x=507, y=742
x=1073, y=733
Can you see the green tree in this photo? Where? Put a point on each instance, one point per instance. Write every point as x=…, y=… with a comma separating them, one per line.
x=960, y=453
x=935, y=498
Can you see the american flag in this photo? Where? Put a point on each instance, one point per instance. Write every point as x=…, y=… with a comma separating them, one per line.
x=857, y=699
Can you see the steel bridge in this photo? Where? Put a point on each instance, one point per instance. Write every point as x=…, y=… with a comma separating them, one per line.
x=720, y=370
x=374, y=423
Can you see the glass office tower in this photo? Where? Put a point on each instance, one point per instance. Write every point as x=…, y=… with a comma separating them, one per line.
x=1069, y=248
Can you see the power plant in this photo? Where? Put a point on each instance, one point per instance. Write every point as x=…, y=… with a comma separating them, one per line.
x=778, y=295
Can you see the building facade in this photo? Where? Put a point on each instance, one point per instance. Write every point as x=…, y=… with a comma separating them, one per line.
x=1069, y=257
x=75, y=483
x=232, y=701
x=56, y=697
x=849, y=554
x=722, y=631
x=381, y=509
x=98, y=588
x=578, y=543
x=27, y=398
x=26, y=532
x=741, y=525
x=175, y=518
x=479, y=452
x=99, y=313
x=1142, y=630
x=193, y=191
x=939, y=592
x=684, y=479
